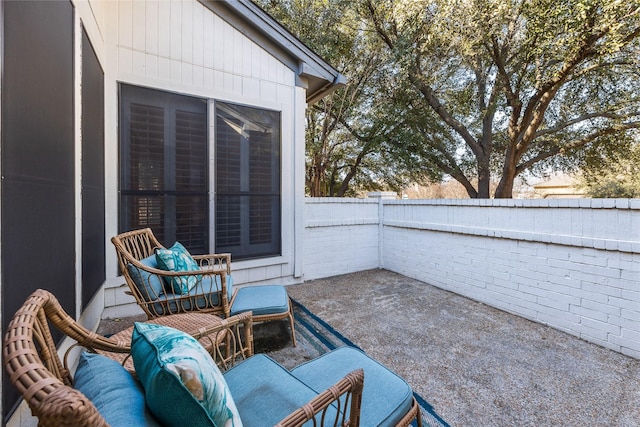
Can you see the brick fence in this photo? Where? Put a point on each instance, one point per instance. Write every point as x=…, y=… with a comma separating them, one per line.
x=572, y=264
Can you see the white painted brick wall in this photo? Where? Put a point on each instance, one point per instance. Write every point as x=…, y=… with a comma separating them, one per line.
x=571, y=264
x=341, y=236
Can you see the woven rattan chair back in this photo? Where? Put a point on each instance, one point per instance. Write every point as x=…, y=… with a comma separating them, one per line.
x=134, y=246
x=43, y=377
x=137, y=244
x=35, y=369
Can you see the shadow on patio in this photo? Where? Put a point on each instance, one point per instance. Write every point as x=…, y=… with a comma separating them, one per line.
x=475, y=364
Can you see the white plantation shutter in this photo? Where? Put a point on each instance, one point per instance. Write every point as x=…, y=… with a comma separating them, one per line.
x=247, y=181
x=163, y=166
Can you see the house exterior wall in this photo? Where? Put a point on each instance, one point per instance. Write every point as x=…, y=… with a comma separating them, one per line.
x=572, y=264
x=184, y=47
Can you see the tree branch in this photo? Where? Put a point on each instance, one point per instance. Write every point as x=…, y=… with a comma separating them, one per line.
x=512, y=99
x=537, y=105
x=573, y=145
x=434, y=102
x=449, y=165
x=377, y=21
x=582, y=118
x=598, y=66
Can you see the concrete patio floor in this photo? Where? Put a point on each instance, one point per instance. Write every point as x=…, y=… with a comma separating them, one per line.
x=477, y=366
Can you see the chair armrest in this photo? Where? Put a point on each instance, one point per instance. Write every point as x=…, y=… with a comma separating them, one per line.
x=345, y=395
x=83, y=337
x=148, y=284
x=237, y=343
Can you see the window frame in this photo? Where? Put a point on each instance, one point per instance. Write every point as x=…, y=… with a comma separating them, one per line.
x=276, y=221
x=168, y=102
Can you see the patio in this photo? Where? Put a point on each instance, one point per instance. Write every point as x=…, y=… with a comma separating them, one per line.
x=475, y=364
x=72, y=169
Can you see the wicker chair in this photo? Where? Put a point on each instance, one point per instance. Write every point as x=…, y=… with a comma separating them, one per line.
x=213, y=292
x=45, y=381
x=136, y=258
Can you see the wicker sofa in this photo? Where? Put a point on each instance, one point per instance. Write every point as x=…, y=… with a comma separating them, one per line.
x=327, y=390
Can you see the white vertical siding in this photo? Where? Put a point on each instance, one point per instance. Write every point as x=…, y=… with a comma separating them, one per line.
x=183, y=43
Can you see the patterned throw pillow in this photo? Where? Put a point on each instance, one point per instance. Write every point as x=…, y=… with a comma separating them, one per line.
x=183, y=385
x=177, y=258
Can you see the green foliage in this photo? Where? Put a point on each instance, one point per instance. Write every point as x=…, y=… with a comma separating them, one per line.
x=345, y=130
x=479, y=91
x=613, y=174
x=520, y=84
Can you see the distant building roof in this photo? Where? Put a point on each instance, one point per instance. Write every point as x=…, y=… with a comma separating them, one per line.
x=558, y=186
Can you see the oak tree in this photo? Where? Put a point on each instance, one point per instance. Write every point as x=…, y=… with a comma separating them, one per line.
x=491, y=89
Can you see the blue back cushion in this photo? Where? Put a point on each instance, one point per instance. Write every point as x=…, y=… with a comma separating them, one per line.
x=149, y=285
x=114, y=392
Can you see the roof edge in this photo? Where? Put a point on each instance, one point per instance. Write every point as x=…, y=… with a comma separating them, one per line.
x=322, y=77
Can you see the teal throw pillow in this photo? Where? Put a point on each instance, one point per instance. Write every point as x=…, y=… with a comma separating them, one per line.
x=177, y=258
x=183, y=385
x=115, y=393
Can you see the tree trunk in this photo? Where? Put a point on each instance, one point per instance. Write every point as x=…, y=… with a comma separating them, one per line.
x=505, y=187
x=315, y=183
x=484, y=179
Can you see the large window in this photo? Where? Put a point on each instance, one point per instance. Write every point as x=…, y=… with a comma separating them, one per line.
x=247, y=172
x=163, y=166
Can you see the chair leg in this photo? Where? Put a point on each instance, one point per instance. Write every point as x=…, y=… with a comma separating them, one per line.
x=291, y=323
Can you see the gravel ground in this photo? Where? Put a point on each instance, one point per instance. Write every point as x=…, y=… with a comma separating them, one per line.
x=478, y=366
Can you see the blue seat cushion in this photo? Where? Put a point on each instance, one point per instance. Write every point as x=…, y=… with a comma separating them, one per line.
x=264, y=392
x=386, y=397
x=149, y=285
x=202, y=296
x=113, y=391
x=269, y=299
